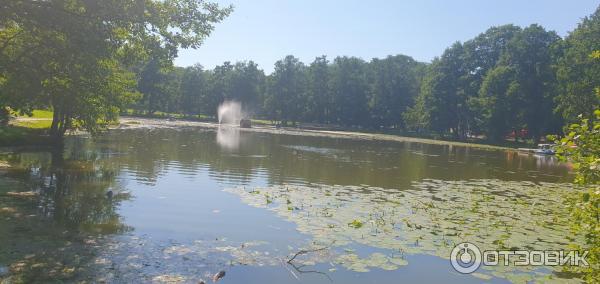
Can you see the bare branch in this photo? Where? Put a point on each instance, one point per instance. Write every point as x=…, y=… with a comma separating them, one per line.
x=301, y=252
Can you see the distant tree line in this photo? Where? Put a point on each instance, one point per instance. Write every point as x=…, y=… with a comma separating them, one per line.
x=347, y=91
x=526, y=81
x=89, y=60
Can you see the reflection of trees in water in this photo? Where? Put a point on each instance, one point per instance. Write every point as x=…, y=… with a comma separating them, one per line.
x=52, y=234
x=72, y=184
x=149, y=153
x=83, y=194
x=73, y=189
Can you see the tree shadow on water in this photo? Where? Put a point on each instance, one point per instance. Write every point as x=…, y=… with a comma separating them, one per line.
x=55, y=213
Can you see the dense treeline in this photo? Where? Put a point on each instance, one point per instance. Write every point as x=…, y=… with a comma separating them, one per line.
x=347, y=91
x=508, y=80
x=88, y=60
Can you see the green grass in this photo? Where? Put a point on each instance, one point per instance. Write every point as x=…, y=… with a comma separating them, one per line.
x=34, y=124
x=42, y=114
x=27, y=132
x=41, y=119
x=261, y=122
x=160, y=114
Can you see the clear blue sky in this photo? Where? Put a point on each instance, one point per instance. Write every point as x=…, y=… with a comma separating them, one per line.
x=267, y=30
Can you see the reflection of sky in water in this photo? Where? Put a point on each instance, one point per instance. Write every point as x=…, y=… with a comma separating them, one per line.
x=178, y=220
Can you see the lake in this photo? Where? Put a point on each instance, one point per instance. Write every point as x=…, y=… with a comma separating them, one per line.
x=181, y=204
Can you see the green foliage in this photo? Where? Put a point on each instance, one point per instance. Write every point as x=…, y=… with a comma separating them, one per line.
x=581, y=146
x=193, y=86
x=497, y=102
x=320, y=97
x=443, y=95
x=76, y=56
x=349, y=89
x=89, y=60
x=394, y=84
x=203, y=91
x=504, y=80
x=519, y=92
x=285, y=90
x=578, y=72
x=356, y=224
x=530, y=53
x=501, y=80
x=159, y=85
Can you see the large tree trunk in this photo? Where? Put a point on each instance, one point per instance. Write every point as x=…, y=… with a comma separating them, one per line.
x=61, y=122
x=55, y=122
x=4, y=116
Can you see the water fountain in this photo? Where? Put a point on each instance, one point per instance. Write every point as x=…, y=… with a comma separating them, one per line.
x=230, y=112
x=229, y=115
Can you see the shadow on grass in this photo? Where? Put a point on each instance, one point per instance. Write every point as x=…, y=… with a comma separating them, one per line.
x=13, y=135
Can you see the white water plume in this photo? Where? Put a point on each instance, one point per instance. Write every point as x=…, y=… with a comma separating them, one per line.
x=229, y=112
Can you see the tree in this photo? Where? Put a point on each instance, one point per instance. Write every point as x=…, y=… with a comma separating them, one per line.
x=247, y=83
x=530, y=53
x=578, y=74
x=482, y=54
x=394, y=85
x=156, y=86
x=286, y=89
x=498, y=102
x=193, y=87
x=17, y=84
x=443, y=101
x=218, y=88
x=581, y=146
x=349, y=88
x=77, y=51
x=320, y=99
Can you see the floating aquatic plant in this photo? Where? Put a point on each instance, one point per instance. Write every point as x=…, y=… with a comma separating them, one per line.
x=430, y=217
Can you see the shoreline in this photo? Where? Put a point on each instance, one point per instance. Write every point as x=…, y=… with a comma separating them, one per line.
x=131, y=122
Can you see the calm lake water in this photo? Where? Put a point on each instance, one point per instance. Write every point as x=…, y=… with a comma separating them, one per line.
x=179, y=205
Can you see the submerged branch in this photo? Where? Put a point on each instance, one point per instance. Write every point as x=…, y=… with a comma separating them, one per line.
x=298, y=268
x=301, y=252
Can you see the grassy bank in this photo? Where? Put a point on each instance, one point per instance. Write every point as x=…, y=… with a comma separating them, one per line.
x=166, y=115
x=27, y=130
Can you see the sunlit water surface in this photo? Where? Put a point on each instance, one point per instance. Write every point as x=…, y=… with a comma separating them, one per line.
x=179, y=205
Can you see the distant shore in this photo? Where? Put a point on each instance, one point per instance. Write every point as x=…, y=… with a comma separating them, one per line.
x=125, y=122
x=128, y=122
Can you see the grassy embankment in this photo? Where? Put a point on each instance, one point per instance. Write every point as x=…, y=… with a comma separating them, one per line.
x=28, y=130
